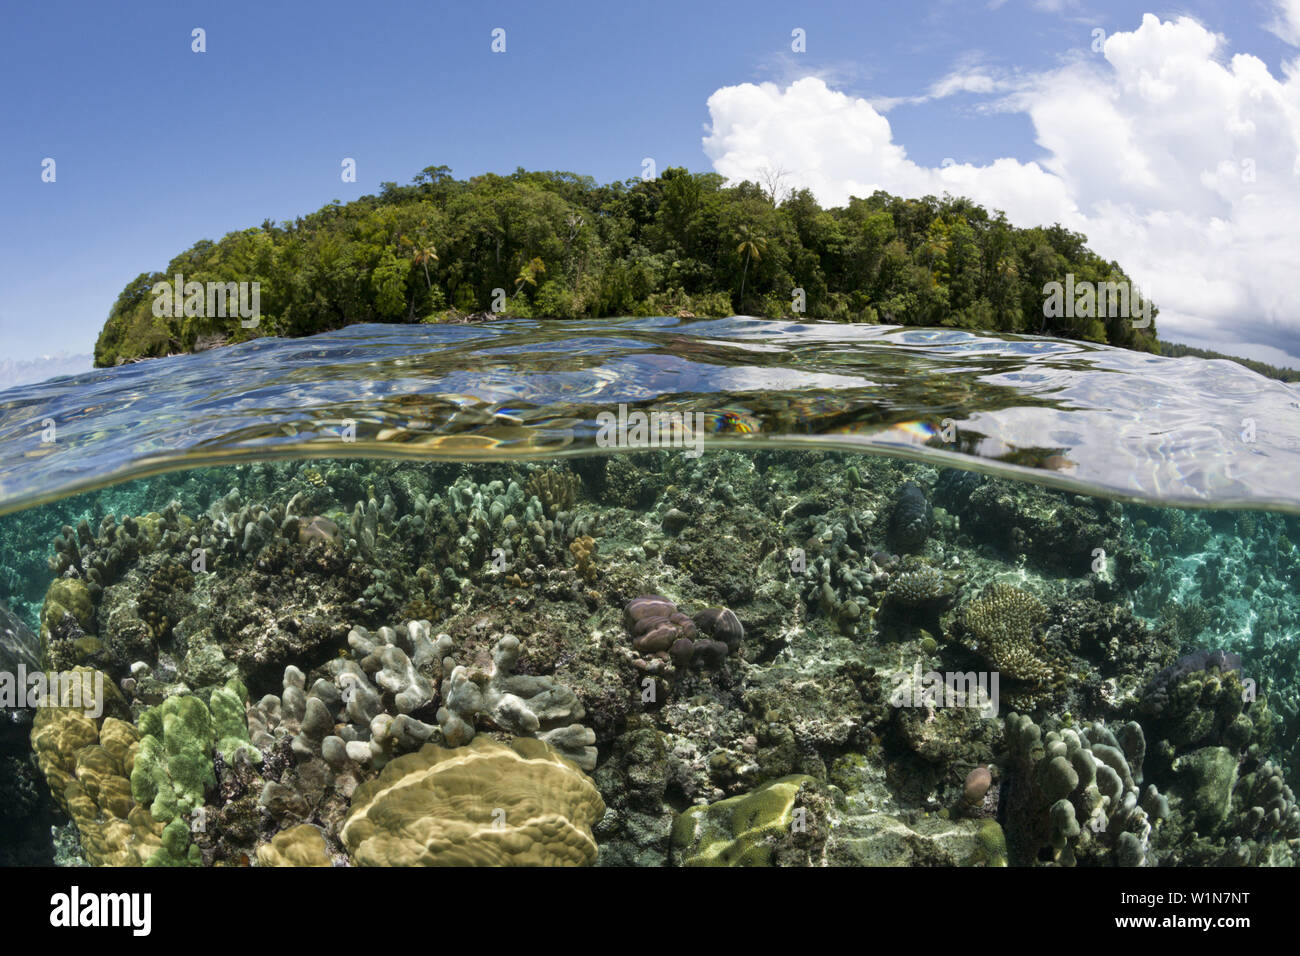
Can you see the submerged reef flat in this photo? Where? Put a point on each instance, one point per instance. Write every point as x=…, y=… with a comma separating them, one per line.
x=737, y=659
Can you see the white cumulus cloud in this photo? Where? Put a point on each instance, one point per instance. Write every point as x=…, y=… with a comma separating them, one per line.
x=1286, y=21
x=1182, y=165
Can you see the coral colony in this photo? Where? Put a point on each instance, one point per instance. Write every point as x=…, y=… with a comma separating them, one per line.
x=652, y=658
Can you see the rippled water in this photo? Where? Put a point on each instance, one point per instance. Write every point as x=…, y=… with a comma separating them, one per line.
x=690, y=629
x=1088, y=417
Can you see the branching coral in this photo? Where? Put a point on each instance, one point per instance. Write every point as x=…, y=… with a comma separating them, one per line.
x=584, y=556
x=1078, y=793
x=239, y=527
x=99, y=556
x=367, y=711
x=837, y=574
x=1003, y=621
x=344, y=719
x=555, y=488
x=471, y=525
x=519, y=704
x=916, y=586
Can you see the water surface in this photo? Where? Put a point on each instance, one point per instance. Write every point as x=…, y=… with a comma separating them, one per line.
x=1077, y=415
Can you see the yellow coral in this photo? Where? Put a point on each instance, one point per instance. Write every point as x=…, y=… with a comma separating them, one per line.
x=584, y=554
x=485, y=804
x=738, y=831
x=57, y=736
x=555, y=488
x=303, y=845
x=87, y=764
x=71, y=596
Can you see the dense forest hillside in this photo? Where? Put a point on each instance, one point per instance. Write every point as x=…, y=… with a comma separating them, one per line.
x=1175, y=350
x=560, y=245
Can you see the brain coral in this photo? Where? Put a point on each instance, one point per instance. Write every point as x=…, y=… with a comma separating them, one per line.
x=485, y=804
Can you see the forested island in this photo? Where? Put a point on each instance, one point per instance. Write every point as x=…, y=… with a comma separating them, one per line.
x=557, y=244
x=1280, y=373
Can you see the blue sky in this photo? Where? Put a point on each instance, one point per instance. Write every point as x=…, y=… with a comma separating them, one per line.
x=157, y=146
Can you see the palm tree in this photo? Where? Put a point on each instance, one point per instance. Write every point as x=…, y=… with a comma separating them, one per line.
x=751, y=247
x=422, y=250
x=528, y=274
x=421, y=258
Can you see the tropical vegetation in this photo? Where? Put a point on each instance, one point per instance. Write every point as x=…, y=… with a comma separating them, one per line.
x=557, y=244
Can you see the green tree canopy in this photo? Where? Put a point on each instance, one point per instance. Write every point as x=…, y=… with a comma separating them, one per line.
x=559, y=244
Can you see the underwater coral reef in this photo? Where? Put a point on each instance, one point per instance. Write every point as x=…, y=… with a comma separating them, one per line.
x=764, y=658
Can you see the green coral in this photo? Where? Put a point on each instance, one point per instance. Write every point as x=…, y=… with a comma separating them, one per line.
x=229, y=725
x=1208, y=707
x=1206, y=780
x=990, y=845
x=176, y=849
x=174, y=768
x=740, y=831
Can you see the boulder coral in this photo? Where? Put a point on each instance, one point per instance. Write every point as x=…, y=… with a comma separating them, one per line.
x=87, y=763
x=303, y=845
x=661, y=633
x=67, y=596
x=485, y=804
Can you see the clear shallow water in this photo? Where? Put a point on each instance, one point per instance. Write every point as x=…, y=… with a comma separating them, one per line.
x=166, y=540
x=855, y=579
x=1087, y=417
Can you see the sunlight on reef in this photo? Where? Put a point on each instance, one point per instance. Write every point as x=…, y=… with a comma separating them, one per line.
x=753, y=656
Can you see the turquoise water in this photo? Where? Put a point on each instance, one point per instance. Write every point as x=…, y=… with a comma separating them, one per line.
x=741, y=647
